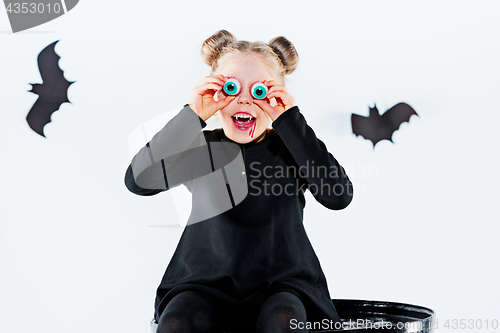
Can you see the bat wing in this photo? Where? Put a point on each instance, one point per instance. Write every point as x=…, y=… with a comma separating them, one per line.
x=395, y=116
x=52, y=75
x=40, y=114
x=367, y=128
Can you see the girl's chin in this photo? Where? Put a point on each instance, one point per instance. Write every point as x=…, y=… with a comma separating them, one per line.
x=242, y=132
x=244, y=136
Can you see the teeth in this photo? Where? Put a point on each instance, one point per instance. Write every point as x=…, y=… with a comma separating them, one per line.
x=243, y=116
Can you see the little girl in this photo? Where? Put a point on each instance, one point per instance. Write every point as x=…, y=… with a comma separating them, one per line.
x=244, y=261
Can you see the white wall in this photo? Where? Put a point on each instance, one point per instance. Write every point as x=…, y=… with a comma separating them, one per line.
x=76, y=252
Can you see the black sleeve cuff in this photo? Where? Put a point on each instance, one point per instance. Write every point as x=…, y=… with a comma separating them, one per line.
x=202, y=122
x=293, y=110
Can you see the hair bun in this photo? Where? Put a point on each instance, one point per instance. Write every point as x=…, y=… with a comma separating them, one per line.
x=213, y=46
x=287, y=53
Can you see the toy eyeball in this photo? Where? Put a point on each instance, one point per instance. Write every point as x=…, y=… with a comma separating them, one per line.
x=258, y=90
x=232, y=87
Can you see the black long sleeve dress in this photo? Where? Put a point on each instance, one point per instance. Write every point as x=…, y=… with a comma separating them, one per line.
x=258, y=246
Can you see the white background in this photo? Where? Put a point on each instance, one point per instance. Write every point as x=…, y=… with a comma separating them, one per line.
x=80, y=253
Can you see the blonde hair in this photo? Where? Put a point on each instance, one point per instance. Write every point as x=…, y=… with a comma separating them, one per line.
x=279, y=54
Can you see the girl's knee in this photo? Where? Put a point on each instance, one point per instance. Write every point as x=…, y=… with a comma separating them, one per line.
x=173, y=323
x=278, y=313
x=188, y=312
x=179, y=323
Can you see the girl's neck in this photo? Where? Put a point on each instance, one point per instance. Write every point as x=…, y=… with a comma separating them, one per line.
x=260, y=137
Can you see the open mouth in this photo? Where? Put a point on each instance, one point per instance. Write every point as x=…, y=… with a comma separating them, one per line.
x=243, y=120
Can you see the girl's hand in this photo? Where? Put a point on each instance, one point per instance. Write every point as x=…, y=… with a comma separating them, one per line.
x=283, y=97
x=202, y=100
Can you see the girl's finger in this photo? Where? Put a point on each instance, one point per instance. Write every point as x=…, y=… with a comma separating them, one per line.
x=212, y=85
x=215, y=79
x=264, y=106
x=279, y=94
x=270, y=82
x=220, y=79
x=278, y=88
x=208, y=86
x=224, y=102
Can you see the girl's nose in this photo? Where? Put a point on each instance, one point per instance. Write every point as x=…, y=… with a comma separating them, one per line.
x=245, y=97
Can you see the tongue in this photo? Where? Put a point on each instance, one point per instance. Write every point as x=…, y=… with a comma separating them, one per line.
x=243, y=121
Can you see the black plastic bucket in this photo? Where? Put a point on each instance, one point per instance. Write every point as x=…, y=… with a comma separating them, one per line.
x=370, y=316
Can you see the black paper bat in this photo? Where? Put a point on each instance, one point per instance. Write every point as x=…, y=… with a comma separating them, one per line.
x=52, y=92
x=378, y=127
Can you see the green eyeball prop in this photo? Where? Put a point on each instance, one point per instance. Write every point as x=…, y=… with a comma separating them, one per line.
x=232, y=87
x=258, y=90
